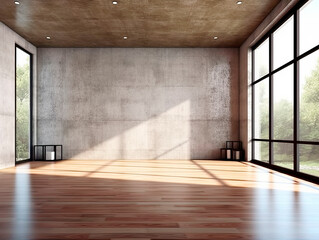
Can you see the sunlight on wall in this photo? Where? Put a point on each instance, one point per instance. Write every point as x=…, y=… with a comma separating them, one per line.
x=165, y=136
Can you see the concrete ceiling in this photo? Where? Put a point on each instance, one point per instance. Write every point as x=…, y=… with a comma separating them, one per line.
x=146, y=23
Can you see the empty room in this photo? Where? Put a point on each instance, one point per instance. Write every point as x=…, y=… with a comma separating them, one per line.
x=159, y=119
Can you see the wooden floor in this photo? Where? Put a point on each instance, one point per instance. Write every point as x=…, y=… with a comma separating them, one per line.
x=155, y=199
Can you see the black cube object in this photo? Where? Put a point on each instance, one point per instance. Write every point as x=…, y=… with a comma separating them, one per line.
x=233, y=151
x=43, y=151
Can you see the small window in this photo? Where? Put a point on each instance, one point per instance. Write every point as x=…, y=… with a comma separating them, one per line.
x=261, y=109
x=283, y=95
x=309, y=98
x=308, y=26
x=283, y=41
x=261, y=63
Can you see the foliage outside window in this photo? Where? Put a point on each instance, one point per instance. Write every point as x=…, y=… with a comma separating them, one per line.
x=23, y=114
x=286, y=92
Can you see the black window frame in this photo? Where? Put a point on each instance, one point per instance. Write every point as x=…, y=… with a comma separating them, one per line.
x=15, y=104
x=294, y=13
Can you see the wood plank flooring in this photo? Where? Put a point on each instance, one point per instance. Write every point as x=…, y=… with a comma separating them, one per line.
x=155, y=199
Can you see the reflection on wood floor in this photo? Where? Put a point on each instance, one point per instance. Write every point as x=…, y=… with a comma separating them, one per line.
x=155, y=199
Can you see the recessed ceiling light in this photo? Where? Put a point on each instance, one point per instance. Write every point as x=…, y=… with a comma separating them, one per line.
x=16, y=2
x=215, y=38
x=124, y=38
x=239, y=2
x=48, y=38
x=114, y=2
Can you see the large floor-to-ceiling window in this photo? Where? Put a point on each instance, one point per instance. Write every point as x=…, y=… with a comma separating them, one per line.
x=285, y=91
x=23, y=104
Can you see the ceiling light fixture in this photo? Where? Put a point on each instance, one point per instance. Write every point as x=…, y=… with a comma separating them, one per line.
x=114, y=2
x=124, y=38
x=215, y=38
x=48, y=38
x=239, y=2
x=16, y=2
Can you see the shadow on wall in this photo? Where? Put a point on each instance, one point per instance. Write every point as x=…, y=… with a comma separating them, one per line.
x=138, y=103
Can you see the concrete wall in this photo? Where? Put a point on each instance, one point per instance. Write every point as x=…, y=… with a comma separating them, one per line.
x=138, y=103
x=8, y=39
x=245, y=77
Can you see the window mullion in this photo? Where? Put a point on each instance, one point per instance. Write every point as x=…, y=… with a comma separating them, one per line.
x=296, y=91
x=253, y=106
x=271, y=159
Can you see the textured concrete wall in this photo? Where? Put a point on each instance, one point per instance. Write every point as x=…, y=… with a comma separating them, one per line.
x=138, y=103
x=245, y=76
x=8, y=39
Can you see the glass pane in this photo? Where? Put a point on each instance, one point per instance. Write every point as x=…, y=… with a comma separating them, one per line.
x=283, y=44
x=22, y=105
x=309, y=21
x=261, y=109
x=309, y=159
x=283, y=104
x=261, y=151
x=309, y=98
x=261, y=57
x=283, y=155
